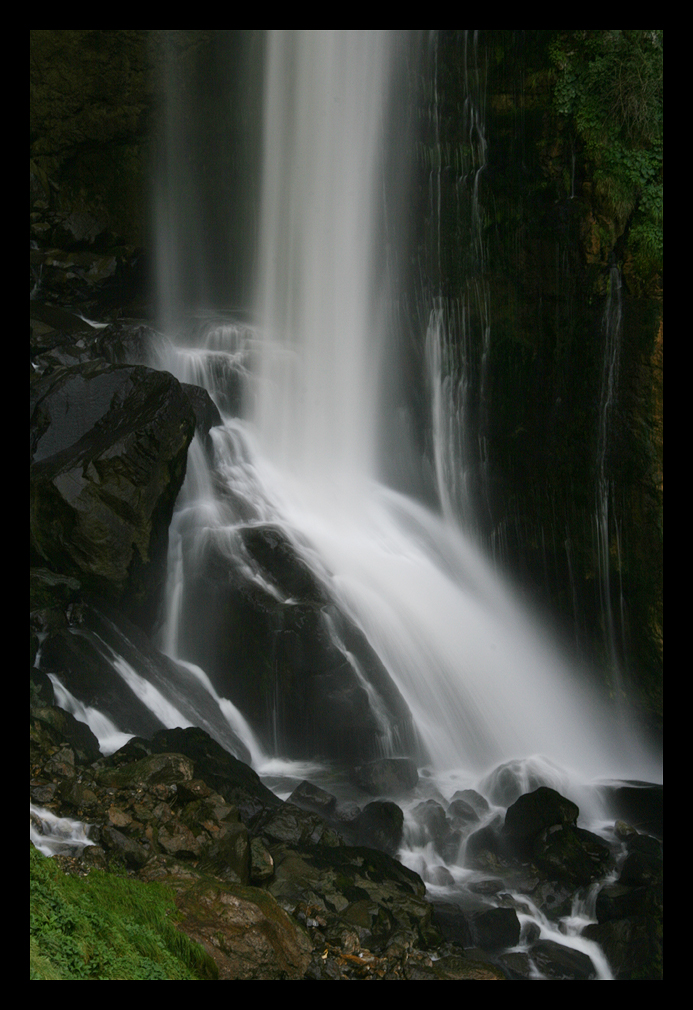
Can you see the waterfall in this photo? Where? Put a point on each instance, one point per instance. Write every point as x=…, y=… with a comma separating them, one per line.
x=606, y=524
x=458, y=332
x=480, y=676
x=321, y=288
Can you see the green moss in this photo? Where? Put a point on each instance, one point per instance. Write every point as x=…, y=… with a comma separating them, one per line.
x=609, y=85
x=107, y=928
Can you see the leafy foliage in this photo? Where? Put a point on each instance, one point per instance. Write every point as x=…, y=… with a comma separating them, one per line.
x=610, y=83
x=107, y=928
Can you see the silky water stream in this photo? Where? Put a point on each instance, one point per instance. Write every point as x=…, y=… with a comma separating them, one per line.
x=300, y=393
x=494, y=705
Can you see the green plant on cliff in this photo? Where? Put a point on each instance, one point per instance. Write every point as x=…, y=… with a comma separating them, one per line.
x=106, y=928
x=610, y=85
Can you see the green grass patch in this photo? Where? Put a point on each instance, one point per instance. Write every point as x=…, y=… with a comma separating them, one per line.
x=103, y=927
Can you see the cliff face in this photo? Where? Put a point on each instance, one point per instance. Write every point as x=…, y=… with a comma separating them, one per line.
x=553, y=319
x=535, y=217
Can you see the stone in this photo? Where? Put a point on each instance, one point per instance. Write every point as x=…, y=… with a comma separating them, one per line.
x=246, y=932
x=386, y=776
x=109, y=448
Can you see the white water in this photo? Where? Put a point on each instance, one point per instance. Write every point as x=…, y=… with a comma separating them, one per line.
x=483, y=682
x=54, y=835
x=481, y=677
x=325, y=100
x=104, y=729
x=612, y=324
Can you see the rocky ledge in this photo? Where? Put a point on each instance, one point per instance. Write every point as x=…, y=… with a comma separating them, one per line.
x=270, y=890
x=308, y=889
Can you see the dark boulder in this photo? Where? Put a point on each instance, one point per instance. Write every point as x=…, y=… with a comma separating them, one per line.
x=632, y=946
x=487, y=849
x=293, y=826
x=109, y=447
x=453, y=923
x=48, y=721
x=369, y=892
x=462, y=815
x=470, y=798
x=571, y=854
x=532, y=812
x=641, y=804
x=495, y=928
x=380, y=826
x=512, y=779
x=258, y=620
x=644, y=863
x=281, y=565
x=312, y=797
x=556, y=962
x=231, y=778
x=386, y=776
x=615, y=901
x=433, y=826
x=205, y=409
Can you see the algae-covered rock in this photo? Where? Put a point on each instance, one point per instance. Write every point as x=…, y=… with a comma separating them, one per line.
x=250, y=937
x=368, y=890
x=165, y=769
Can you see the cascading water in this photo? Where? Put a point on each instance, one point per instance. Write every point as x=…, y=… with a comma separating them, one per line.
x=480, y=678
x=607, y=527
x=298, y=453
x=458, y=330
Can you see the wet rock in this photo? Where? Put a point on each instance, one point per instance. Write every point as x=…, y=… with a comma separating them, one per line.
x=632, y=946
x=311, y=797
x=532, y=812
x=487, y=849
x=368, y=890
x=639, y=803
x=231, y=778
x=49, y=590
x=386, y=776
x=228, y=856
x=261, y=863
x=440, y=876
x=380, y=825
x=517, y=965
x=462, y=815
x=294, y=826
x=205, y=409
x=489, y=885
x=284, y=648
x=79, y=796
x=109, y=447
x=64, y=727
x=495, y=928
x=280, y=562
x=506, y=783
x=246, y=932
x=615, y=901
x=123, y=848
x=556, y=962
x=165, y=769
x=471, y=798
x=571, y=854
x=433, y=824
x=457, y=967
x=453, y=923
x=644, y=863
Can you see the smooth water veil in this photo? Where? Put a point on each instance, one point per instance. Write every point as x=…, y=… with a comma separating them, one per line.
x=338, y=589
x=481, y=678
